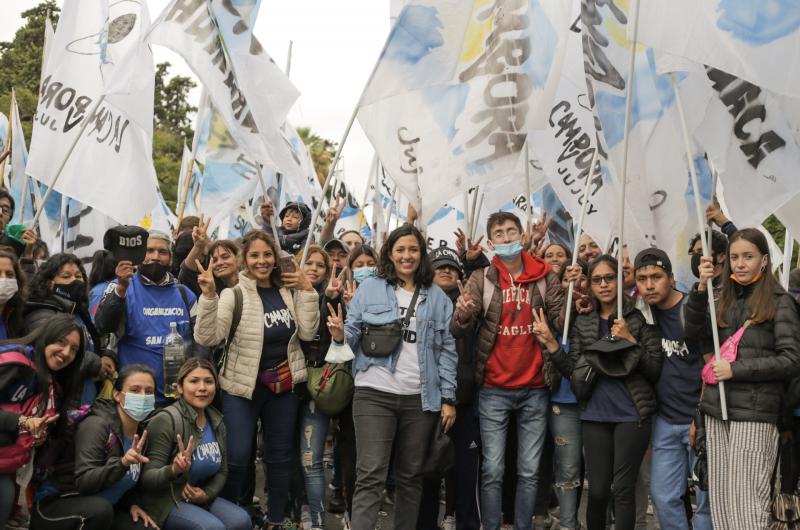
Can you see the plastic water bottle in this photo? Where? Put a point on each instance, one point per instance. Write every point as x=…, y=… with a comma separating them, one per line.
x=174, y=355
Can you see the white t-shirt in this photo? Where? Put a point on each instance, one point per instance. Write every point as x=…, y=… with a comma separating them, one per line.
x=405, y=379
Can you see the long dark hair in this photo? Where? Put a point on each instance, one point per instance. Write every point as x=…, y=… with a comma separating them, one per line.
x=609, y=260
x=761, y=303
x=424, y=275
x=358, y=251
x=260, y=235
x=68, y=378
x=39, y=288
x=12, y=313
x=103, y=268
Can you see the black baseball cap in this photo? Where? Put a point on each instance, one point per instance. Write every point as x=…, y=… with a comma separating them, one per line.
x=652, y=256
x=334, y=243
x=126, y=243
x=446, y=257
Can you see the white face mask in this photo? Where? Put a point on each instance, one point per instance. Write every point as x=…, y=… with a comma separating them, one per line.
x=8, y=288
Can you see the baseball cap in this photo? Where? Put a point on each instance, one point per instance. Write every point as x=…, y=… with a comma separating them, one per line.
x=652, y=256
x=336, y=242
x=126, y=243
x=446, y=257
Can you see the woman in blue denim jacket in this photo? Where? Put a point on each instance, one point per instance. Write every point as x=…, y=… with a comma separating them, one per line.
x=398, y=398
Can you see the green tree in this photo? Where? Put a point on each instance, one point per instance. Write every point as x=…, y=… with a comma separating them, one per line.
x=322, y=152
x=172, y=107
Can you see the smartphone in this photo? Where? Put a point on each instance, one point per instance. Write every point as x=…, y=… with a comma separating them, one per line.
x=287, y=264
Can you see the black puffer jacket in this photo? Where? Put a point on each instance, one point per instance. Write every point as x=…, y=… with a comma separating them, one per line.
x=768, y=356
x=640, y=383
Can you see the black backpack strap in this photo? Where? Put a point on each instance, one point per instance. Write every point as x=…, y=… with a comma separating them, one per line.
x=411, y=308
x=185, y=298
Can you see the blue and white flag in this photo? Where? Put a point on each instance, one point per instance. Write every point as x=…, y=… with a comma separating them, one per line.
x=458, y=86
x=755, y=40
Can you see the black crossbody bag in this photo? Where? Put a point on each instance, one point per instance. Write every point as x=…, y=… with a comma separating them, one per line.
x=383, y=340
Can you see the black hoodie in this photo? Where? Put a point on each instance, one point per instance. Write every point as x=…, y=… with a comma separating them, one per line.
x=293, y=241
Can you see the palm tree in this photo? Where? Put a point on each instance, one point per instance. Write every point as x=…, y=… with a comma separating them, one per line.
x=322, y=152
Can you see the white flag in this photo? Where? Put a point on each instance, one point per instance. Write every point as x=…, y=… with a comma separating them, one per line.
x=49, y=36
x=15, y=176
x=758, y=41
x=246, y=87
x=111, y=168
x=457, y=88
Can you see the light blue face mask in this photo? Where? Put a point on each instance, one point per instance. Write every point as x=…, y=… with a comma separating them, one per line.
x=359, y=275
x=139, y=406
x=508, y=251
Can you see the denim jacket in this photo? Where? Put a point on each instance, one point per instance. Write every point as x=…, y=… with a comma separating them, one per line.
x=375, y=303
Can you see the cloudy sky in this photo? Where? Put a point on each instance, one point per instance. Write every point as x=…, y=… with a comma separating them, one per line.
x=335, y=47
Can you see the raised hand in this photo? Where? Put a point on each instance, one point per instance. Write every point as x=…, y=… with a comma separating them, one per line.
x=335, y=284
x=134, y=454
x=335, y=211
x=540, y=227
x=205, y=279
x=572, y=274
x=124, y=272
x=714, y=213
x=30, y=239
x=473, y=249
x=200, y=233
x=620, y=329
x=538, y=251
x=464, y=305
x=349, y=292
x=542, y=331
x=296, y=280
x=336, y=322
x=183, y=460
x=706, y=270
x=583, y=304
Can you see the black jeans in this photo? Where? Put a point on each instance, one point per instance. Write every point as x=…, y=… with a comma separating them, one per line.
x=613, y=453
x=461, y=482
x=69, y=513
x=381, y=420
x=346, y=449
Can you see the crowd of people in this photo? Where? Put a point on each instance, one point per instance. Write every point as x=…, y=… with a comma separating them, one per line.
x=418, y=374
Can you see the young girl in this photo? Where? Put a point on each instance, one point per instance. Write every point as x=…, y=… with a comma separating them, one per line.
x=742, y=451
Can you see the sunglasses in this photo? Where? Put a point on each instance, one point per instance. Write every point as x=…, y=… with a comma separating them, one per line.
x=608, y=278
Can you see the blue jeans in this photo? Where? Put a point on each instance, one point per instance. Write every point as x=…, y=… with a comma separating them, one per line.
x=565, y=427
x=278, y=413
x=313, y=430
x=673, y=462
x=218, y=515
x=495, y=407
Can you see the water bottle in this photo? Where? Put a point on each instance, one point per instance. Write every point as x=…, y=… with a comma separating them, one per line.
x=174, y=355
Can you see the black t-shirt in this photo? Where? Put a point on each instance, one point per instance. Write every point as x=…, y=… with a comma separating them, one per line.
x=678, y=388
x=278, y=328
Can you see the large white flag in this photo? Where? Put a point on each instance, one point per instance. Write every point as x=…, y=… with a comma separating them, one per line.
x=246, y=87
x=15, y=176
x=458, y=86
x=758, y=41
x=111, y=168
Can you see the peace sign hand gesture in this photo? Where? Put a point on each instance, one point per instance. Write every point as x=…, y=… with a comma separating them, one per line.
x=349, y=291
x=335, y=285
x=134, y=454
x=205, y=279
x=335, y=211
x=200, y=233
x=542, y=331
x=183, y=460
x=464, y=305
x=336, y=323
x=472, y=250
x=540, y=227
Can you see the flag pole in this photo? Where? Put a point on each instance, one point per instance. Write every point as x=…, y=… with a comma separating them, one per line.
x=626, y=145
x=474, y=226
x=89, y=117
x=788, y=247
x=706, y=251
x=581, y=218
x=187, y=181
x=528, y=191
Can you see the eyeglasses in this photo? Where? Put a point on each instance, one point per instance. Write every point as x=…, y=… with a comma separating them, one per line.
x=6, y=210
x=608, y=278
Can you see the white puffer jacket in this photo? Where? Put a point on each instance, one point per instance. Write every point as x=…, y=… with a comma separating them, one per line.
x=240, y=373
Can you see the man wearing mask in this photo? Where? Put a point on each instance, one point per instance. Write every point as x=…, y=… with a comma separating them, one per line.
x=719, y=250
x=678, y=393
x=140, y=305
x=510, y=370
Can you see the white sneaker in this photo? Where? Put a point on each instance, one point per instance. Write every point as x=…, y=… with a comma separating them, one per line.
x=449, y=523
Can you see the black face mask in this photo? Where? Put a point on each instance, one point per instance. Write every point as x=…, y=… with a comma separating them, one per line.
x=183, y=245
x=696, y=265
x=74, y=291
x=153, y=271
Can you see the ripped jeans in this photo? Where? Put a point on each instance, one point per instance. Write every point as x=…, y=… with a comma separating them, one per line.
x=313, y=430
x=565, y=427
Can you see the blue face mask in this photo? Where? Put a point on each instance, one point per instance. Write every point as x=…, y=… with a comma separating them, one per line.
x=359, y=275
x=508, y=251
x=138, y=406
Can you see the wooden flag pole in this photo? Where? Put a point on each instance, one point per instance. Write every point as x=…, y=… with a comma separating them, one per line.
x=625, y=146
x=705, y=242
x=581, y=218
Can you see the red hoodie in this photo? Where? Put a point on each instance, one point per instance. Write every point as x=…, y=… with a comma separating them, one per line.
x=516, y=358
